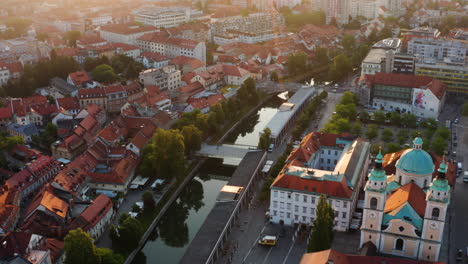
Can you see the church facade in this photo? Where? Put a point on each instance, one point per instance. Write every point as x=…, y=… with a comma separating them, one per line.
x=405, y=211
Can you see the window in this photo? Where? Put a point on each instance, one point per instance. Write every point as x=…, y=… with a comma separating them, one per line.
x=274, y=213
x=275, y=204
x=312, y=211
x=304, y=210
x=296, y=208
x=288, y=215
x=281, y=214
x=289, y=195
x=343, y=215
x=305, y=198
x=337, y=204
x=275, y=193
x=399, y=244
x=435, y=213
x=313, y=200
x=345, y=204
x=304, y=219
x=281, y=205
x=296, y=217
x=373, y=203
x=297, y=197
x=329, y=152
x=281, y=194
x=425, y=183
x=288, y=206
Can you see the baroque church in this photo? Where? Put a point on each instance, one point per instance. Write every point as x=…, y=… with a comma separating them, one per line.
x=405, y=210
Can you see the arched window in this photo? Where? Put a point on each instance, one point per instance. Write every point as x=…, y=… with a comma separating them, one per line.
x=373, y=203
x=435, y=213
x=399, y=179
x=399, y=244
x=425, y=183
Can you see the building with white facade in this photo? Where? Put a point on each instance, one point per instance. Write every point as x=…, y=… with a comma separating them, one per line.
x=125, y=33
x=380, y=57
x=167, y=78
x=287, y=3
x=172, y=47
x=323, y=164
x=163, y=17
x=406, y=202
x=420, y=95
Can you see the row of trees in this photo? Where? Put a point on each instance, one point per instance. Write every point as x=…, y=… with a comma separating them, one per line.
x=228, y=111
x=346, y=111
x=304, y=120
x=107, y=70
x=39, y=75
x=79, y=248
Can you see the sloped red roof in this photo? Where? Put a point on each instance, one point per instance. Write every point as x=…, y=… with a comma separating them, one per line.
x=79, y=77
x=193, y=62
x=154, y=56
x=127, y=29
x=91, y=93
x=409, y=193
x=90, y=39
x=68, y=103
x=331, y=188
x=124, y=46
x=97, y=210
x=408, y=81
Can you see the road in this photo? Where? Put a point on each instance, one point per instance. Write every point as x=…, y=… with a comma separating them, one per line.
x=458, y=216
x=253, y=225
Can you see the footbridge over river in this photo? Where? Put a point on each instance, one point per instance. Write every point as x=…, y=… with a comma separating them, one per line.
x=225, y=151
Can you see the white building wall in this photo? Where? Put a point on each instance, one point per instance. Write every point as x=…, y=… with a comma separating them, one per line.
x=295, y=207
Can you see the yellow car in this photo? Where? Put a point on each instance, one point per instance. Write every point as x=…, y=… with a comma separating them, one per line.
x=268, y=241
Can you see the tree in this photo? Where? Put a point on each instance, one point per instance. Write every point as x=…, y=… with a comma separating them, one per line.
x=265, y=139
x=379, y=117
x=105, y=74
x=220, y=116
x=392, y=147
x=409, y=120
x=164, y=155
x=349, y=44
x=465, y=109
x=443, y=132
x=364, y=116
x=438, y=145
x=274, y=76
x=107, y=256
x=357, y=129
x=72, y=36
x=395, y=118
x=130, y=233
x=347, y=111
x=341, y=67
x=322, y=228
x=402, y=136
x=148, y=200
x=192, y=138
x=372, y=131
x=387, y=135
x=333, y=22
x=296, y=63
x=430, y=123
x=321, y=56
x=79, y=248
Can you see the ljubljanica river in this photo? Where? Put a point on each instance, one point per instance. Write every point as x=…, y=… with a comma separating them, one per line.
x=179, y=225
x=249, y=131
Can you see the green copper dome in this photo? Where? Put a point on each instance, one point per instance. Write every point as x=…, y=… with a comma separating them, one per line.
x=440, y=185
x=378, y=175
x=416, y=161
x=442, y=167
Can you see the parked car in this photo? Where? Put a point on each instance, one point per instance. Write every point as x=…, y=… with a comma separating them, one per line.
x=456, y=121
x=268, y=241
x=459, y=254
x=271, y=147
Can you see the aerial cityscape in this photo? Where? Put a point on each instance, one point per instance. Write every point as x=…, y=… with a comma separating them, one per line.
x=233, y=131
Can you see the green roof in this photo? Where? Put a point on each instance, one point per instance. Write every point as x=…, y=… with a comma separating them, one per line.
x=440, y=185
x=418, y=141
x=416, y=161
x=405, y=213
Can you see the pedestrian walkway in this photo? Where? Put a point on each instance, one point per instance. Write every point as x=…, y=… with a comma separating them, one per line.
x=224, y=151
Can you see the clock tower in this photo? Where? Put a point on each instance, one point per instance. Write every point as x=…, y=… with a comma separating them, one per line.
x=374, y=203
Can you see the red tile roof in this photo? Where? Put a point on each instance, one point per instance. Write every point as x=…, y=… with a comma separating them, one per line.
x=97, y=210
x=90, y=39
x=91, y=93
x=154, y=56
x=407, y=81
x=162, y=37
x=69, y=103
x=193, y=62
x=124, y=46
x=127, y=29
x=409, y=193
x=79, y=77
x=67, y=51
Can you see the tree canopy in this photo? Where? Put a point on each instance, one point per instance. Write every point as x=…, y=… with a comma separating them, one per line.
x=79, y=248
x=72, y=36
x=265, y=139
x=105, y=73
x=322, y=228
